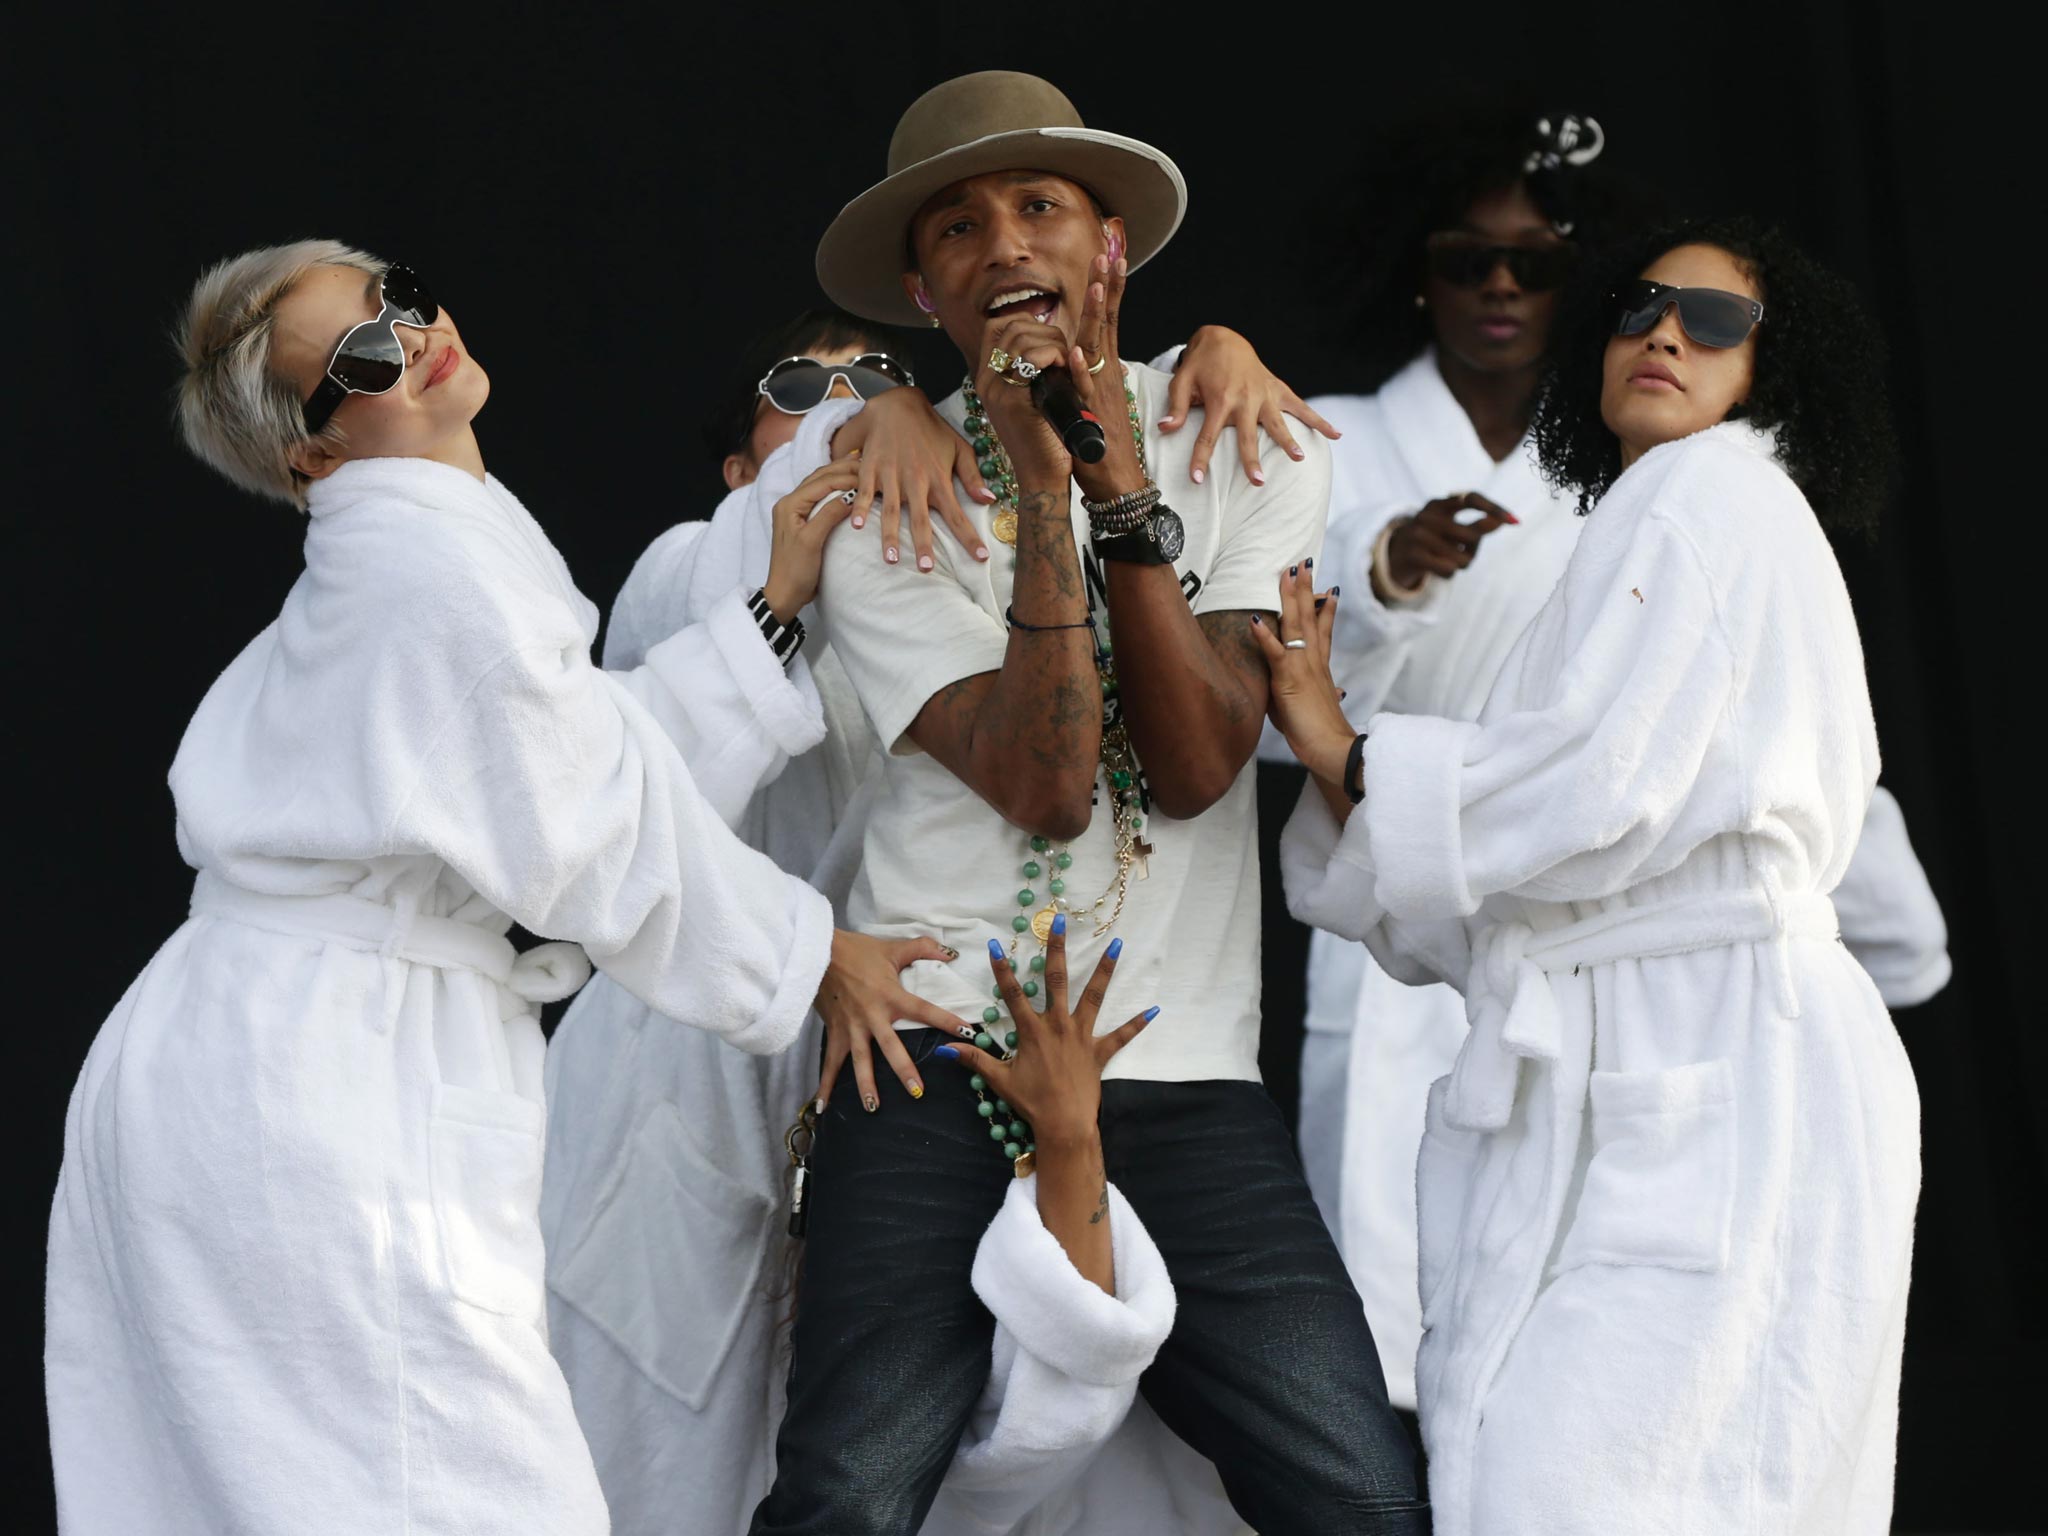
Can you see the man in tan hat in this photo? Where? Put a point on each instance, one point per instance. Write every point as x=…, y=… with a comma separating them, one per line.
x=1070, y=728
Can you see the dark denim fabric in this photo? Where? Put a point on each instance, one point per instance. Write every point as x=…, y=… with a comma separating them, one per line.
x=1270, y=1370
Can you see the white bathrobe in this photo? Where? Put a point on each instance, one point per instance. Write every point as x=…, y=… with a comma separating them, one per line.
x=1438, y=654
x=1666, y=1194
x=295, y=1269
x=664, y=1204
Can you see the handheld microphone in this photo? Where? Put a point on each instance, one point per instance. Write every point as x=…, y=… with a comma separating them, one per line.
x=1053, y=393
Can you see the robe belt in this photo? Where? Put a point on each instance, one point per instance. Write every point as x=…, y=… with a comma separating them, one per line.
x=547, y=973
x=1514, y=1014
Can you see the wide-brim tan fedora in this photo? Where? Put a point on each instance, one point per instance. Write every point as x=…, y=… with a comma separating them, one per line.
x=996, y=120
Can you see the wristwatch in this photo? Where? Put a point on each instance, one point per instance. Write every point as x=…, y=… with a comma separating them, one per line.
x=1157, y=538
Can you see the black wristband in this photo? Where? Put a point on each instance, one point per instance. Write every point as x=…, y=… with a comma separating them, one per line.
x=1354, y=770
x=1010, y=618
x=1135, y=548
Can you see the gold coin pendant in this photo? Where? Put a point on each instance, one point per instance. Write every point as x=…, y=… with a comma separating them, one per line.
x=1041, y=925
x=1004, y=525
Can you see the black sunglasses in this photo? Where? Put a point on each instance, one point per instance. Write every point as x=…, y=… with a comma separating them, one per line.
x=370, y=359
x=799, y=384
x=1467, y=261
x=1713, y=317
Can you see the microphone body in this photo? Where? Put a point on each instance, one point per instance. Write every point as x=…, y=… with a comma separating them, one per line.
x=1053, y=393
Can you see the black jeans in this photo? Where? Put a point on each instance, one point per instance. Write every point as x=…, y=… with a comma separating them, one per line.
x=1270, y=1370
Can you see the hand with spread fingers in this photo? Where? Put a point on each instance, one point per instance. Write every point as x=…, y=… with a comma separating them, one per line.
x=1304, y=700
x=800, y=527
x=861, y=999
x=1054, y=1083
x=1221, y=372
x=1096, y=363
x=909, y=458
x=1438, y=541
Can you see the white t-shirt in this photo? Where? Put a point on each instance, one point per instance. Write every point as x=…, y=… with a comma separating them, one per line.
x=939, y=860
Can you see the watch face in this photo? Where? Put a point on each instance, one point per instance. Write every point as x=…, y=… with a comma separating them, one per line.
x=1171, y=537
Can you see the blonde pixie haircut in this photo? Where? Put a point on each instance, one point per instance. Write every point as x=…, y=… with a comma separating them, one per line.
x=234, y=413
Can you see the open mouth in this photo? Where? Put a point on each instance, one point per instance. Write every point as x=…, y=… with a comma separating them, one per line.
x=1038, y=303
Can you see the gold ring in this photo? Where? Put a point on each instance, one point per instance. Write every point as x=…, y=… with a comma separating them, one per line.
x=998, y=360
x=1096, y=366
x=1013, y=379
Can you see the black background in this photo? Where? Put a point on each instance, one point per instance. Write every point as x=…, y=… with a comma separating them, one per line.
x=610, y=204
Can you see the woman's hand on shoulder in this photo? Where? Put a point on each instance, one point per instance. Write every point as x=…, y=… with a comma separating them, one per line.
x=1221, y=372
x=910, y=456
x=799, y=527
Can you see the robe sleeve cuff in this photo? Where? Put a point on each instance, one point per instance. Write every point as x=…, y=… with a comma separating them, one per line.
x=810, y=951
x=1327, y=871
x=1025, y=1278
x=1414, y=781
x=784, y=702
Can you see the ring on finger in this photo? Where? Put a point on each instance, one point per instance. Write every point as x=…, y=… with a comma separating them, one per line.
x=998, y=360
x=1025, y=369
x=1295, y=645
x=1098, y=364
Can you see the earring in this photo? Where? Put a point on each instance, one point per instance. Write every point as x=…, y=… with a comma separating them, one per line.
x=924, y=302
x=935, y=322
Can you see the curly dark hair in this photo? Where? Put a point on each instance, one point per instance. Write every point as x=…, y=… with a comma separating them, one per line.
x=1819, y=374
x=1421, y=177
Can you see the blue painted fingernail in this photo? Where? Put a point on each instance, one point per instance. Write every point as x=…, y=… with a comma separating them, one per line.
x=1059, y=922
x=1116, y=947
x=1151, y=1013
x=946, y=1051
x=995, y=949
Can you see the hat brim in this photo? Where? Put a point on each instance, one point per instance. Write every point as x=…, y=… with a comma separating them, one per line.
x=861, y=259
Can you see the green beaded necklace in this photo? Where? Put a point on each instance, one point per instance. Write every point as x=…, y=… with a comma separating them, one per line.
x=1120, y=766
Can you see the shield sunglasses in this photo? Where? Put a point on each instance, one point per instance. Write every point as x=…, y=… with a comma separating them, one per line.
x=371, y=359
x=800, y=384
x=1467, y=261
x=1713, y=317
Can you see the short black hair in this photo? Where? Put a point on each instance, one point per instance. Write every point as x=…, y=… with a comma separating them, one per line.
x=1421, y=177
x=824, y=329
x=1819, y=374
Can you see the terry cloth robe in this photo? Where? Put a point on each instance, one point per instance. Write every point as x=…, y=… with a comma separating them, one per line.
x=665, y=1198
x=1666, y=1194
x=1361, y=1112
x=295, y=1273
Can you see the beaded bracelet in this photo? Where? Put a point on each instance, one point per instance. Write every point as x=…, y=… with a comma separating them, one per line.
x=1010, y=618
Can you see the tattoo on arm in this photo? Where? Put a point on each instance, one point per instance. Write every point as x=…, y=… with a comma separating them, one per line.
x=1101, y=1205
x=1229, y=634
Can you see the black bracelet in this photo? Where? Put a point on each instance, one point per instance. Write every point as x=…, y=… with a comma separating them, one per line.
x=1354, y=770
x=1010, y=618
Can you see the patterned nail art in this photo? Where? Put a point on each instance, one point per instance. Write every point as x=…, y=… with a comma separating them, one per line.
x=917, y=1090
x=950, y=952
x=870, y=1103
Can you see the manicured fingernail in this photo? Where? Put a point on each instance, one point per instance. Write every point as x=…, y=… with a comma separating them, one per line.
x=1116, y=947
x=917, y=1089
x=818, y=1105
x=1059, y=922
x=1514, y=519
x=1294, y=570
x=924, y=562
x=859, y=521
x=947, y=1052
x=995, y=949
x=1123, y=268
x=1256, y=619
x=1258, y=477
x=870, y=1103
x=1165, y=421
x=1336, y=591
x=1151, y=1013
x=949, y=952
x=987, y=495
x=1310, y=562
x=1343, y=693
x=1295, y=453
x=889, y=554
x=1195, y=475
x=981, y=551
x=1319, y=605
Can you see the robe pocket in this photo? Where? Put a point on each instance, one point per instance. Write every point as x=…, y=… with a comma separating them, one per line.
x=1660, y=1187
x=1443, y=1188
x=668, y=1266
x=485, y=1152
